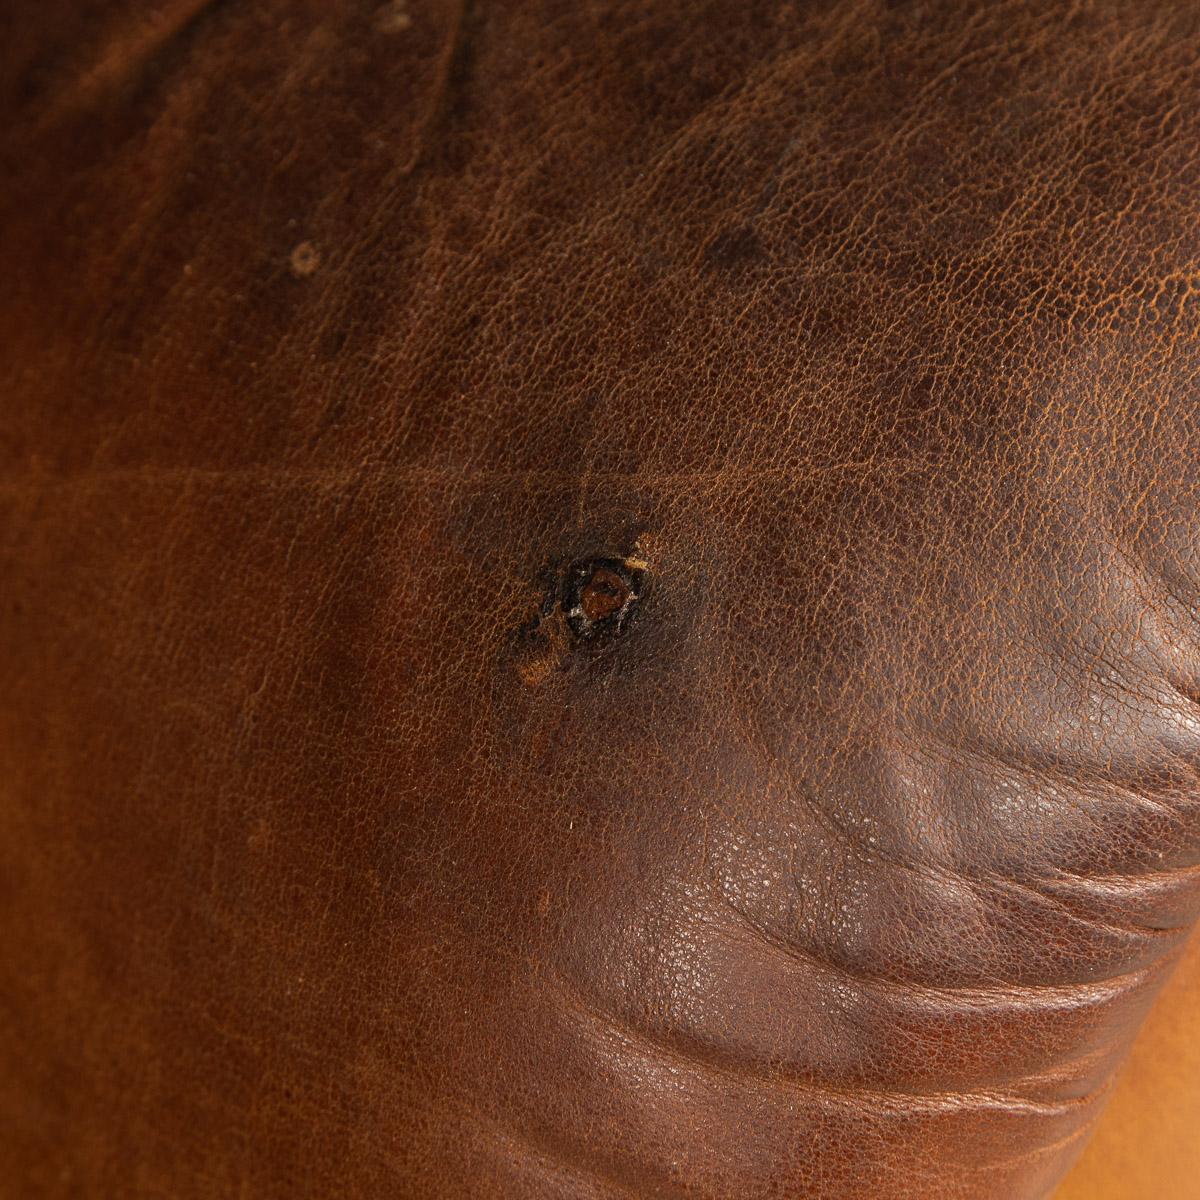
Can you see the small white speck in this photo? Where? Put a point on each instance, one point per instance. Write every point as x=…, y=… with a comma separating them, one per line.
x=393, y=18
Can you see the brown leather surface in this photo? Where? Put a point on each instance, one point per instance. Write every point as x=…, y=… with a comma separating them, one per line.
x=597, y=599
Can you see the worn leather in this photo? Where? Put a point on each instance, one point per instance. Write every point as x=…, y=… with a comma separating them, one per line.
x=336, y=858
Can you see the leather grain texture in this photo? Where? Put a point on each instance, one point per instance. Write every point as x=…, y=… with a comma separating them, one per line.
x=598, y=599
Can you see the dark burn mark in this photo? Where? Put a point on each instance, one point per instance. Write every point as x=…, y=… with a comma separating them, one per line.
x=584, y=606
x=604, y=594
x=592, y=597
x=600, y=596
x=548, y=583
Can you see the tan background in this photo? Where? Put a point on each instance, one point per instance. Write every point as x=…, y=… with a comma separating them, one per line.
x=1147, y=1143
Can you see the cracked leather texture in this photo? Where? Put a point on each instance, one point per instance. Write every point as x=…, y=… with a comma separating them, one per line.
x=849, y=865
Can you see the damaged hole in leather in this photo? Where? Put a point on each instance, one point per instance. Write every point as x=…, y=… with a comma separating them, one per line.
x=585, y=604
x=600, y=596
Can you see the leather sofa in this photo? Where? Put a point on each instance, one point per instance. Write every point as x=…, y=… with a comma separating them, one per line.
x=598, y=599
